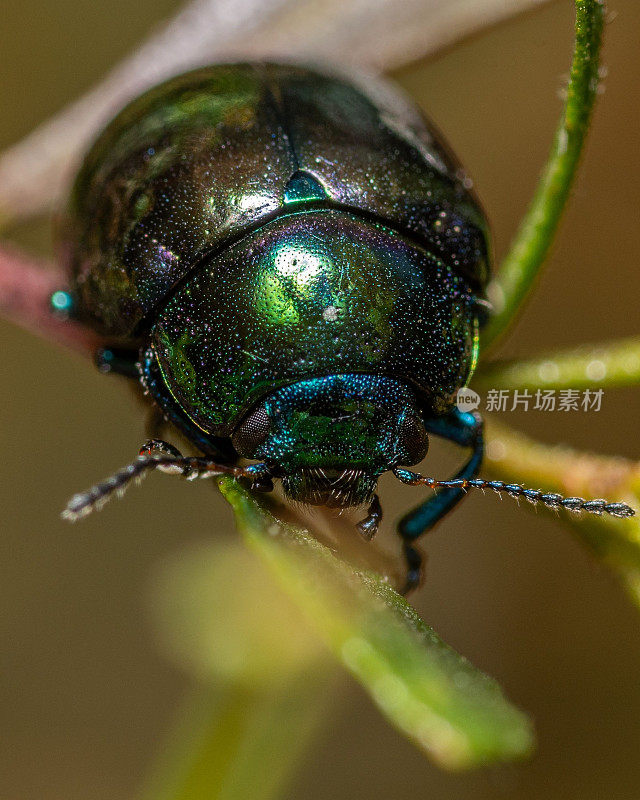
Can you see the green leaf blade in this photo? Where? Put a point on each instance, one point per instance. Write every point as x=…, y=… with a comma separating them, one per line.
x=453, y=712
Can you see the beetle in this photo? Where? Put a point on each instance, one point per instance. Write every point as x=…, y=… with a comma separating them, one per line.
x=293, y=265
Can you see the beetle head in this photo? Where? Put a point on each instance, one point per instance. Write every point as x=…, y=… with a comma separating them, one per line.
x=330, y=439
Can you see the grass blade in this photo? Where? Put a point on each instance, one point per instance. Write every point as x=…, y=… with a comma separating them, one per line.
x=453, y=712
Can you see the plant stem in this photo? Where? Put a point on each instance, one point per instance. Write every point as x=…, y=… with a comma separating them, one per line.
x=237, y=741
x=533, y=239
x=515, y=457
x=608, y=364
x=26, y=286
x=35, y=172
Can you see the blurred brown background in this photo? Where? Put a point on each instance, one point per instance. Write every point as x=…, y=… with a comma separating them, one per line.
x=85, y=693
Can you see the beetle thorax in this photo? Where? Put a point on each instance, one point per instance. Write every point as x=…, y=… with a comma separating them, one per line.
x=331, y=438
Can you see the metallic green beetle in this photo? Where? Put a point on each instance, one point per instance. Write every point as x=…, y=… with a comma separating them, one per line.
x=294, y=264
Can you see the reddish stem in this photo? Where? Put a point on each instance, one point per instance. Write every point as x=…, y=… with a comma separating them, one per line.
x=26, y=286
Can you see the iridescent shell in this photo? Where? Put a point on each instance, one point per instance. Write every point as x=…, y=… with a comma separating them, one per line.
x=209, y=157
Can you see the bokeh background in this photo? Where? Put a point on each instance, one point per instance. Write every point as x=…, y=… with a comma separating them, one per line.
x=87, y=694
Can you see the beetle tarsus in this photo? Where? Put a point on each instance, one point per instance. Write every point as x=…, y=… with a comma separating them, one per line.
x=368, y=527
x=257, y=478
x=159, y=446
x=415, y=572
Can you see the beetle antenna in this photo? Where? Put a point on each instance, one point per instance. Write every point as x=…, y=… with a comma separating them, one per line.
x=548, y=499
x=156, y=455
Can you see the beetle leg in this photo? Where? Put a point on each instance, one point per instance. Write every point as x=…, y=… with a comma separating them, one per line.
x=257, y=477
x=118, y=360
x=465, y=430
x=368, y=527
x=159, y=446
x=155, y=423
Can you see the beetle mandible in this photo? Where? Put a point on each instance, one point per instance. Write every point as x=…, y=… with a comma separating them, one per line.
x=293, y=265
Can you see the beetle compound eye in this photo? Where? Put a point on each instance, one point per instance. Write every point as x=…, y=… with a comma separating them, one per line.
x=413, y=441
x=252, y=432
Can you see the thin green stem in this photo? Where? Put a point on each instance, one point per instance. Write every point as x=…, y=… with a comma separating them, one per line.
x=609, y=364
x=515, y=457
x=535, y=235
x=235, y=741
